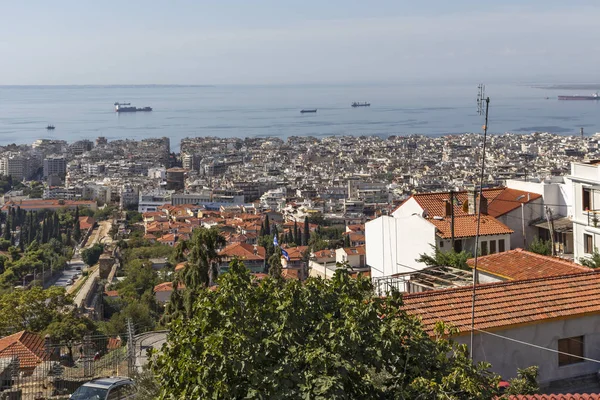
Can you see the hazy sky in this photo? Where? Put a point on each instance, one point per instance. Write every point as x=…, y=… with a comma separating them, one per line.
x=303, y=41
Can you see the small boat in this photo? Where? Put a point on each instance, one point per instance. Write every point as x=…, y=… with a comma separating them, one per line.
x=310, y=110
x=50, y=127
x=358, y=104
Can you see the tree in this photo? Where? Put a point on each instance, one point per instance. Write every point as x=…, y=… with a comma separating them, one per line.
x=539, y=246
x=267, y=224
x=7, y=230
x=275, y=267
x=525, y=383
x=68, y=327
x=203, y=262
x=91, y=255
x=592, y=261
x=347, y=241
x=319, y=339
x=297, y=238
x=76, y=227
x=305, y=233
x=445, y=258
x=34, y=309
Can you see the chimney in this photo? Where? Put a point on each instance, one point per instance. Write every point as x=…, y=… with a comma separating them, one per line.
x=471, y=200
x=447, y=208
x=483, y=203
x=255, y=250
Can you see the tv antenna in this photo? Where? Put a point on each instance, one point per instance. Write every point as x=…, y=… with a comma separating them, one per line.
x=483, y=107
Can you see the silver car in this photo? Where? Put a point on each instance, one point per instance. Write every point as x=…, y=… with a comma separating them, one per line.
x=113, y=388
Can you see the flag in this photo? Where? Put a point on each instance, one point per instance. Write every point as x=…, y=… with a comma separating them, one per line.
x=285, y=254
x=275, y=241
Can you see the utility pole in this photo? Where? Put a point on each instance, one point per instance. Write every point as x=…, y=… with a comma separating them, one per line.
x=452, y=216
x=550, y=228
x=482, y=101
x=523, y=226
x=130, y=347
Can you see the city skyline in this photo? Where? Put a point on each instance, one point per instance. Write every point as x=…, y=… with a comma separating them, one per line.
x=271, y=43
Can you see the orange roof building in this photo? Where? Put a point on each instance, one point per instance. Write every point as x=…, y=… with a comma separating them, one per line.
x=85, y=223
x=38, y=204
x=252, y=256
x=520, y=264
x=27, y=346
x=549, y=322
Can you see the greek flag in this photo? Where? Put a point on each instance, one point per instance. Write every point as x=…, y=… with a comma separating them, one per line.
x=275, y=241
x=285, y=254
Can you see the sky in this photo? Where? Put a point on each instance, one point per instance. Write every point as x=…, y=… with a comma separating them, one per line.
x=65, y=42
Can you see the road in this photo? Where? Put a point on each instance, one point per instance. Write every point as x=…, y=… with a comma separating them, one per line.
x=76, y=265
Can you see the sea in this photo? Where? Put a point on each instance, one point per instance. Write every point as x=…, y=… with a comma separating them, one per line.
x=86, y=112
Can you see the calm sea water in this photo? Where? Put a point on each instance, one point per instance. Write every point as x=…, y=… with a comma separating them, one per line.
x=239, y=111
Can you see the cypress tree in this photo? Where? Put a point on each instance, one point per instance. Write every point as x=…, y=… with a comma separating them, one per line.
x=296, y=235
x=7, y=229
x=347, y=241
x=267, y=226
x=76, y=227
x=306, y=233
x=56, y=225
x=45, y=230
x=32, y=223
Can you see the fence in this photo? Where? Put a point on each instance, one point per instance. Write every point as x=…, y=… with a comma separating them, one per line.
x=46, y=370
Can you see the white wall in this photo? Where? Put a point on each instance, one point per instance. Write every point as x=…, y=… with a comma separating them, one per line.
x=506, y=356
x=514, y=219
x=392, y=241
x=557, y=195
x=408, y=208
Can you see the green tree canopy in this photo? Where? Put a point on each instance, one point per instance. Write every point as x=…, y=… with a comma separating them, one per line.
x=91, y=255
x=441, y=258
x=316, y=340
x=539, y=246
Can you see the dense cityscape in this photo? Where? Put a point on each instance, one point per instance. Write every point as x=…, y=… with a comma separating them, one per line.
x=335, y=200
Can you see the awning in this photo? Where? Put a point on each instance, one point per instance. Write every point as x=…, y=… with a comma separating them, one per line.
x=562, y=224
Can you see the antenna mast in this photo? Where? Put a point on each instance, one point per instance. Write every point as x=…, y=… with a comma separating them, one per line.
x=483, y=106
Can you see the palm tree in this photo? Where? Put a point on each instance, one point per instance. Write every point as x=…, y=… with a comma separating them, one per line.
x=203, y=264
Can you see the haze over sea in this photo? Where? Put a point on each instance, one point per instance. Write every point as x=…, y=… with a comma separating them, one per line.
x=86, y=112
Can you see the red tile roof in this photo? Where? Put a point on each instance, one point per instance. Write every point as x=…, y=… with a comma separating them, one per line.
x=568, y=396
x=353, y=251
x=506, y=304
x=244, y=251
x=180, y=266
x=520, y=264
x=295, y=253
x=28, y=346
x=466, y=226
x=500, y=201
x=37, y=204
x=86, y=223
x=167, y=287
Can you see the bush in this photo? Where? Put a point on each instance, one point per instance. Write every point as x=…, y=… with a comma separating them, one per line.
x=91, y=255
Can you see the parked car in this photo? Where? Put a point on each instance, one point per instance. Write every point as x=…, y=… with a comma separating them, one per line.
x=78, y=268
x=113, y=388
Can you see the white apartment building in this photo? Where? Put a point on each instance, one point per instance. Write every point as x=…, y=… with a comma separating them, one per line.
x=585, y=178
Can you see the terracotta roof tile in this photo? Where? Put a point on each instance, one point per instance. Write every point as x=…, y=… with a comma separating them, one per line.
x=520, y=264
x=244, y=251
x=295, y=253
x=353, y=251
x=28, y=346
x=500, y=201
x=500, y=305
x=568, y=396
x=167, y=287
x=466, y=226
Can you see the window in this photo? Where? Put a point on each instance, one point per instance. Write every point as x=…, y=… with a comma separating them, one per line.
x=586, y=199
x=484, y=248
x=501, y=247
x=441, y=243
x=573, y=347
x=115, y=393
x=588, y=243
x=492, y=246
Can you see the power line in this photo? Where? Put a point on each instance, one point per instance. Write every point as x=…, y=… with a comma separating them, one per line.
x=514, y=340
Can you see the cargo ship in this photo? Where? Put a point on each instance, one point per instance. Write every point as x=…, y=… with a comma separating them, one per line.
x=594, y=96
x=50, y=127
x=359, y=104
x=310, y=110
x=126, y=107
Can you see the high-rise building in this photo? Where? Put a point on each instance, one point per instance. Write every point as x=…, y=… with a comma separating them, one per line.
x=55, y=165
